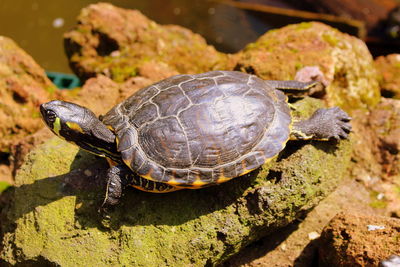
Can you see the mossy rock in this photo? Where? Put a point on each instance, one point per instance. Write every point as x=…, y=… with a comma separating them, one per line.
x=54, y=217
x=118, y=42
x=121, y=43
x=345, y=62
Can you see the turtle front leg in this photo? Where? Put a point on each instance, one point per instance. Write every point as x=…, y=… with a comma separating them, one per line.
x=117, y=180
x=120, y=176
x=323, y=125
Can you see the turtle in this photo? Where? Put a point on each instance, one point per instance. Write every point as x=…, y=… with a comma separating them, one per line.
x=192, y=131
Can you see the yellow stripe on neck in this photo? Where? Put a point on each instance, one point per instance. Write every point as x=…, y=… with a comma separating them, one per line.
x=57, y=126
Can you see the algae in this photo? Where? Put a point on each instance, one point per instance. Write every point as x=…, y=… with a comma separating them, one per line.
x=376, y=202
x=54, y=217
x=4, y=186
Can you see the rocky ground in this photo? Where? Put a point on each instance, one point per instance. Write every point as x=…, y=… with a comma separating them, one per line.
x=117, y=52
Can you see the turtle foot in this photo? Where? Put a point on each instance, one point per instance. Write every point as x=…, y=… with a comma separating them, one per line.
x=116, y=182
x=324, y=124
x=329, y=123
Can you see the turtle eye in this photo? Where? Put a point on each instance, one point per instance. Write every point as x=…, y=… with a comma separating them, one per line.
x=51, y=115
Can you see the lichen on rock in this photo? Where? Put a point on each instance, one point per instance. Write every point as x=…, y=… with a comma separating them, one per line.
x=54, y=217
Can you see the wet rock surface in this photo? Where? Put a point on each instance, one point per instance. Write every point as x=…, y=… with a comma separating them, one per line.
x=359, y=240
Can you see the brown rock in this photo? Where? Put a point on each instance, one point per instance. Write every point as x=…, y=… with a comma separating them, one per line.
x=295, y=245
x=156, y=71
x=389, y=75
x=99, y=94
x=385, y=120
x=378, y=135
x=132, y=85
x=117, y=42
x=315, y=49
x=22, y=147
x=122, y=44
x=358, y=240
x=376, y=154
x=6, y=172
x=23, y=86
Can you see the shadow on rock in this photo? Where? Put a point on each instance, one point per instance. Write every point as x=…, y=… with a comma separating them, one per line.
x=261, y=247
x=86, y=182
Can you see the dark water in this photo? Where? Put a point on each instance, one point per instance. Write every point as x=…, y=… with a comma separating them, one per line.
x=38, y=25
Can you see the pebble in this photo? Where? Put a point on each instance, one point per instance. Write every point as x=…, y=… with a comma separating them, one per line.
x=375, y=227
x=313, y=235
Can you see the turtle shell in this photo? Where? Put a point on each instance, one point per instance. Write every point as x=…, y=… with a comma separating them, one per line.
x=196, y=130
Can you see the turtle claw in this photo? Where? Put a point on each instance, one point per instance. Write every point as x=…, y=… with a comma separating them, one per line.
x=346, y=127
x=330, y=123
x=341, y=115
x=104, y=212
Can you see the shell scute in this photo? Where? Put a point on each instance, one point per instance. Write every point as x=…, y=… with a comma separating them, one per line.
x=171, y=101
x=148, y=112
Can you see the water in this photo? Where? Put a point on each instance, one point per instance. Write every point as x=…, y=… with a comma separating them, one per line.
x=38, y=25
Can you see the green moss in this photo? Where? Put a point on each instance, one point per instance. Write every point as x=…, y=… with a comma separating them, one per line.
x=59, y=190
x=396, y=238
x=397, y=189
x=377, y=203
x=52, y=90
x=4, y=186
x=330, y=39
x=36, y=114
x=264, y=44
x=304, y=26
x=298, y=65
x=120, y=74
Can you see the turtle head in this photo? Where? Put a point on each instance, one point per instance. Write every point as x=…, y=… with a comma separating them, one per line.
x=79, y=125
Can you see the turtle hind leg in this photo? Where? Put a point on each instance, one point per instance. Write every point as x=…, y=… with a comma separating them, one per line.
x=291, y=85
x=324, y=124
x=295, y=88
